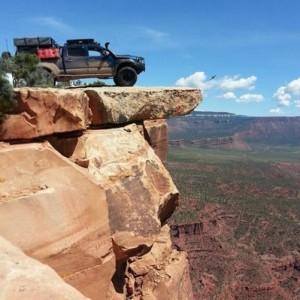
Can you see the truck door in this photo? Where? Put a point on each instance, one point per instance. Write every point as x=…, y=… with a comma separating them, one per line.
x=76, y=60
x=99, y=63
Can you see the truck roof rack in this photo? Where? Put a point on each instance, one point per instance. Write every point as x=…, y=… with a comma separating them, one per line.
x=35, y=42
x=80, y=41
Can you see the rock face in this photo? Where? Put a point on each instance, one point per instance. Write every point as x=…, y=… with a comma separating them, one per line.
x=123, y=105
x=43, y=112
x=156, y=133
x=92, y=203
x=162, y=273
x=140, y=192
x=26, y=278
x=56, y=214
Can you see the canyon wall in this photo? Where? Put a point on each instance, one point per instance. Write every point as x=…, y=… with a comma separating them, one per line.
x=85, y=195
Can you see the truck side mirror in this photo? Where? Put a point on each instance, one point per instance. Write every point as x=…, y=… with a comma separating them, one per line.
x=106, y=45
x=105, y=52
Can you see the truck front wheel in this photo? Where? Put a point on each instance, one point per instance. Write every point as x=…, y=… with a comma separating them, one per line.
x=126, y=76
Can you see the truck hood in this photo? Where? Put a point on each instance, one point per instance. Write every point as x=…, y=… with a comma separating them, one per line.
x=125, y=56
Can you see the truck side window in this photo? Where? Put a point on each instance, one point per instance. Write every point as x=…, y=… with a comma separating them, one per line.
x=94, y=52
x=76, y=51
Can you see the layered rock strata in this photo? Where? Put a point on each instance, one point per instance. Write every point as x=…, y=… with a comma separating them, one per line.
x=26, y=278
x=56, y=214
x=43, y=112
x=92, y=202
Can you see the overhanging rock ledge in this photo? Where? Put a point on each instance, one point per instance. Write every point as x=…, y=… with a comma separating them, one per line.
x=83, y=177
x=43, y=112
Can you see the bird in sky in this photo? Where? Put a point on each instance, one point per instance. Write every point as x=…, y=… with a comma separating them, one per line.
x=213, y=77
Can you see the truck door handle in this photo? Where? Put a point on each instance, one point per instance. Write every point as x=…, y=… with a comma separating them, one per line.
x=91, y=59
x=69, y=60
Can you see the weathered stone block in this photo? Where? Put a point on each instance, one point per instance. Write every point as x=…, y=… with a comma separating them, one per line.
x=26, y=278
x=53, y=211
x=46, y=111
x=156, y=133
x=120, y=105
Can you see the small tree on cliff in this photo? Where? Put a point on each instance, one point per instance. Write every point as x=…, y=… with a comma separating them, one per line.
x=7, y=95
x=25, y=71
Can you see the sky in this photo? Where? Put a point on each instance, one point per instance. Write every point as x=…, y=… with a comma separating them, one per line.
x=244, y=55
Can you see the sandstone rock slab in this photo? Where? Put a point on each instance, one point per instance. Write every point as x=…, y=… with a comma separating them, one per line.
x=42, y=112
x=140, y=191
x=156, y=133
x=54, y=212
x=120, y=105
x=162, y=273
x=26, y=278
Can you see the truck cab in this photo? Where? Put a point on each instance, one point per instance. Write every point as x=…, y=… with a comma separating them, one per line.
x=86, y=60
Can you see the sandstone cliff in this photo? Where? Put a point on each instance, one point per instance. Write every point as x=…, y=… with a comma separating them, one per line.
x=84, y=190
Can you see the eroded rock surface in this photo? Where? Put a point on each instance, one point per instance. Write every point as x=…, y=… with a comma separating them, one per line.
x=26, y=278
x=119, y=105
x=162, y=273
x=134, y=178
x=156, y=133
x=43, y=112
x=96, y=213
x=56, y=214
x=46, y=111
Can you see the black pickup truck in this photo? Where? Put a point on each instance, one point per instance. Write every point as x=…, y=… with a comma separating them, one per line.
x=82, y=58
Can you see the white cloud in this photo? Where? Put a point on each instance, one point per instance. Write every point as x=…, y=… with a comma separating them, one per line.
x=147, y=38
x=196, y=80
x=229, y=96
x=52, y=22
x=155, y=35
x=282, y=96
x=275, y=110
x=297, y=103
x=227, y=83
x=247, y=98
x=236, y=82
x=294, y=87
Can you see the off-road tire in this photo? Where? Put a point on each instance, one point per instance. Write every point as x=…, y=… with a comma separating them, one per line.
x=126, y=76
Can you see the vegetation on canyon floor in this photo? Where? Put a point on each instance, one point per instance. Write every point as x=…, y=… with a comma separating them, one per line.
x=259, y=187
x=256, y=212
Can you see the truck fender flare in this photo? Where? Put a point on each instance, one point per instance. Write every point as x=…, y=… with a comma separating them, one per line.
x=49, y=67
x=123, y=64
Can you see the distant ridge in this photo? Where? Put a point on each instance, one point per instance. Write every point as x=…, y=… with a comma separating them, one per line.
x=200, y=125
x=208, y=113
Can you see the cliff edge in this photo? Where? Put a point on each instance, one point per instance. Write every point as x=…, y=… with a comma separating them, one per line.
x=84, y=190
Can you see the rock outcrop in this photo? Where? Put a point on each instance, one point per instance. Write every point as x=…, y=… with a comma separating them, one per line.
x=56, y=214
x=162, y=273
x=84, y=189
x=46, y=111
x=123, y=105
x=26, y=278
x=156, y=133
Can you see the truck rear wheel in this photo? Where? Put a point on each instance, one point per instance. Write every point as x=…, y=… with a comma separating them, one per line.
x=126, y=76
